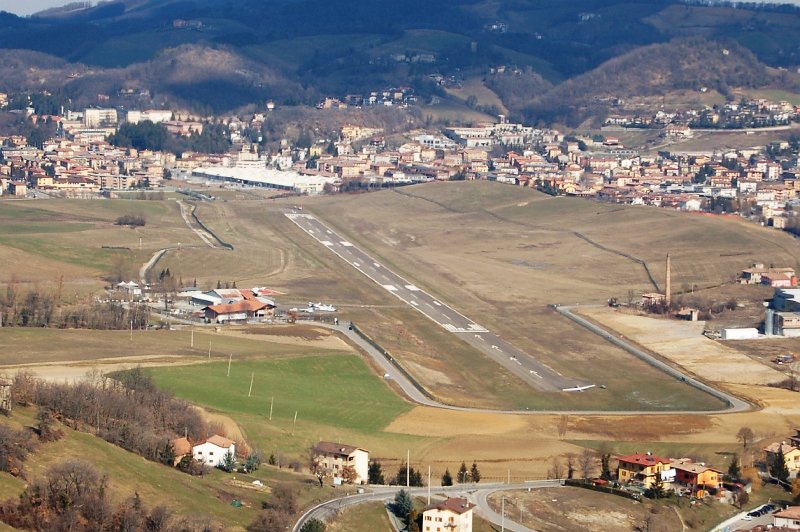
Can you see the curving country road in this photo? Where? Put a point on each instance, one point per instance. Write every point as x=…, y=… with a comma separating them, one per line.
x=475, y=493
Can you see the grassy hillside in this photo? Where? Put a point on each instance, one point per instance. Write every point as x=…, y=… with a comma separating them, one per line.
x=196, y=501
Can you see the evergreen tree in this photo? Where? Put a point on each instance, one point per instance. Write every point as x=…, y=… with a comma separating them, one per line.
x=228, y=462
x=734, y=471
x=167, y=455
x=777, y=467
x=474, y=474
x=402, y=504
x=447, y=478
x=463, y=474
x=605, y=470
x=375, y=473
x=313, y=525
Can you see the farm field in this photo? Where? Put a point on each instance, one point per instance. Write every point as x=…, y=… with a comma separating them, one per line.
x=77, y=240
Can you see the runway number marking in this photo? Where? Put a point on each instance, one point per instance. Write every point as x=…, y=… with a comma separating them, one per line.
x=390, y=287
x=412, y=288
x=346, y=244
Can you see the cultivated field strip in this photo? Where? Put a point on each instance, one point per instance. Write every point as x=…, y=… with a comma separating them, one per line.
x=534, y=372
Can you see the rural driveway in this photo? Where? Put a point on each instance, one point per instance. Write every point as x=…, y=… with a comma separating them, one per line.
x=477, y=494
x=526, y=367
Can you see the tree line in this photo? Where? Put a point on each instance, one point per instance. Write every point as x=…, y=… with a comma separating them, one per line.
x=43, y=308
x=128, y=410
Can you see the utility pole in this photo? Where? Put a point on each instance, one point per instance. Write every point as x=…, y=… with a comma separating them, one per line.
x=429, y=485
x=294, y=424
x=252, y=376
x=131, y=329
x=230, y=358
x=271, y=402
x=503, y=514
x=191, y=344
x=408, y=468
x=209, y=349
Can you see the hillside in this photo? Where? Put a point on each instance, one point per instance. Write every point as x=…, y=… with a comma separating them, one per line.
x=296, y=51
x=657, y=70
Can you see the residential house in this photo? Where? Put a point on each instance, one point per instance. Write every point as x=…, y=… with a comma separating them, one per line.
x=334, y=457
x=451, y=515
x=788, y=518
x=790, y=454
x=212, y=451
x=644, y=467
x=696, y=476
x=754, y=274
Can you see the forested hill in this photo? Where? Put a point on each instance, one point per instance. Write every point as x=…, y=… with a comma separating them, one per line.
x=294, y=51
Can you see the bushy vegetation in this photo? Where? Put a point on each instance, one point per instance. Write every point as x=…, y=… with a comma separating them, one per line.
x=132, y=220
x=149, y=136
x=73, y=495
x=128, y=411
x=43, y=308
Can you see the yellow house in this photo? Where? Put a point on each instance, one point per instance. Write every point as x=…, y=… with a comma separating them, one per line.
x=791, y=455
x=643, y=467
x=451, y=515
x=696, y=476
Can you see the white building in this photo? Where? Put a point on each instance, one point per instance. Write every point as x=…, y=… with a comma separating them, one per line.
x=212, y=451
x=334, y=457
x=100, y=118
x=268, y=178
x=788, y=518
x=451, y=515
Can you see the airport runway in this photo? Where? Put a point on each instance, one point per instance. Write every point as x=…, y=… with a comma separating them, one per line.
x=532, y=371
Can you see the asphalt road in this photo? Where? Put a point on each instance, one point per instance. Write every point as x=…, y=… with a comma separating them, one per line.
x=733, y=403
x=534, y=372
x=475, y=493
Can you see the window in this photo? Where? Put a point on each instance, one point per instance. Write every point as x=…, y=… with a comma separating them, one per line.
x=210, y=453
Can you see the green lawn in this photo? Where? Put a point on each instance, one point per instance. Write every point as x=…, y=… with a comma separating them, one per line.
x=338, y=390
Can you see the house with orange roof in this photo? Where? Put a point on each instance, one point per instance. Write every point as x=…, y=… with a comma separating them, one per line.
x=696, y=476
x=644, y=468
x=212, y=451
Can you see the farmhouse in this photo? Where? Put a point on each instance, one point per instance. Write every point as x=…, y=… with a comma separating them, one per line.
x=644, y=468
x=697, y=477
x=755, y=274
x=451, y=515
x=334, y=457
x=790, y=454
x=212, y=451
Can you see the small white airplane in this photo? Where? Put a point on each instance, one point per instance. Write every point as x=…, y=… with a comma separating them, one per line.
x=321, y=307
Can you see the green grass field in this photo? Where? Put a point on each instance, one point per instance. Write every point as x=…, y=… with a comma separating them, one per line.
x=334, y=389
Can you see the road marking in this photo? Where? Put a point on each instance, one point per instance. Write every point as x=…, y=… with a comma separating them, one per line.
x=497, y=348
x=412, y=288
x=536, y=373
x=437, y=303
x=390, y=287
x=329, y=232
x=357, y=265
x=414, y=303
x=326, y=243
x=450, y=327
x=479, y=337
x=346, y=244
x=376, y=264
